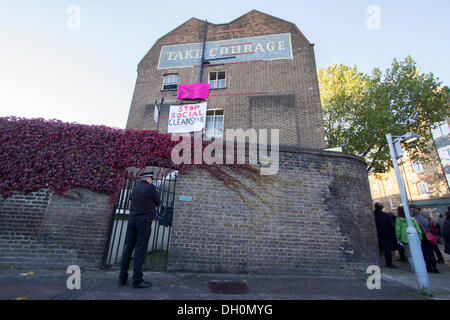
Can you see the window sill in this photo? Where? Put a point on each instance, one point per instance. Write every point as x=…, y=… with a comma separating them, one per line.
x=218, y=88
x=213, y=137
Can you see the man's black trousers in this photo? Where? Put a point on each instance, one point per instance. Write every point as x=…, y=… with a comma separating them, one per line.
x=428, y=254
x=138, y=234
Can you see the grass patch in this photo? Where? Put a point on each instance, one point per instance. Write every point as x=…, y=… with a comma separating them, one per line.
x=423, y=292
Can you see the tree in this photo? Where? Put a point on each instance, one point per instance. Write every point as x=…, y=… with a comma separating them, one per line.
x=360, y=109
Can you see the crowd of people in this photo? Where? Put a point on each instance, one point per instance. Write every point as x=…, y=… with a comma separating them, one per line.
x=392, y=236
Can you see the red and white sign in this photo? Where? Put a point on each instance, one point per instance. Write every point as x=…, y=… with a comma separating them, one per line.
x=187, y=118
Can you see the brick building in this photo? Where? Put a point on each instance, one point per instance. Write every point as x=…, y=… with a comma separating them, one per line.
x=316, y=217
x=261, y=70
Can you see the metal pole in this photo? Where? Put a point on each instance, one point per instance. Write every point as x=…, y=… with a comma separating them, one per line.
x=405, y=180
x=203, y=52
x=173, y=211
x=414, y=243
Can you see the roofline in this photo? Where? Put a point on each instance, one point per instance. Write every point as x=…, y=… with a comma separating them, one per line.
x=254, y=10
x=266, y=14
x=193, y=18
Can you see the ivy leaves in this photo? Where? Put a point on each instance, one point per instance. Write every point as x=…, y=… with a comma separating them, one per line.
x=38, y=153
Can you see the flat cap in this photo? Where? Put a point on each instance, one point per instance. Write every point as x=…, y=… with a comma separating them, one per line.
x=146, y=175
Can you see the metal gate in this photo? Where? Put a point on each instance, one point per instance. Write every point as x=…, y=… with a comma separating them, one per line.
x=158, y=246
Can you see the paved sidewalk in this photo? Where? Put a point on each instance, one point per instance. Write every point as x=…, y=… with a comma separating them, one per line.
x=439, y=282
x=103, y=285
x=97, y=284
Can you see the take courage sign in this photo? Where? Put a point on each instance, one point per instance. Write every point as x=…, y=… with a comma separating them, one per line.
x=269, y=47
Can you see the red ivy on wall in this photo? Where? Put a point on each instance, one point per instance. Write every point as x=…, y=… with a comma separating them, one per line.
x=38, y=153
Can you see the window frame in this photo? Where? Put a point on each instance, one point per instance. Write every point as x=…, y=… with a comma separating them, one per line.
x=417, y=166
x=388, y=184
x=439, y=130
x=170, y=83
x=423, y=186
x=209, y=137
x=392, y=203
x=216, y=81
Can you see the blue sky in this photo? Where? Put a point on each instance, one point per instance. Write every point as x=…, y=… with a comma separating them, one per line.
x=87, y=75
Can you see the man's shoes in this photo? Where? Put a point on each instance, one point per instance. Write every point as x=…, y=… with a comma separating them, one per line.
x=141, y=285
x=391, y=266
x=123, y=281
x=434, y=270
x=440, y=261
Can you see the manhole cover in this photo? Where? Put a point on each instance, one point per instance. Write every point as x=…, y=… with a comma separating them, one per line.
x=228, y=286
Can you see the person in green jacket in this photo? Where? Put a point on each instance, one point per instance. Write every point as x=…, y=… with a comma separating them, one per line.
x=400, y=233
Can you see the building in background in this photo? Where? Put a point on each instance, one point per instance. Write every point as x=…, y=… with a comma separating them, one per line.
x=441, y=137
x=426, y=182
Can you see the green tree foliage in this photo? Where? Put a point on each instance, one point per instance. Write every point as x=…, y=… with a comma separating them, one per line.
x=360, y=109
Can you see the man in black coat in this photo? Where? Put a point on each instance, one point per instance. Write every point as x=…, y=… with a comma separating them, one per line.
x=144, y=200
x=385, y=232
x=446, y=231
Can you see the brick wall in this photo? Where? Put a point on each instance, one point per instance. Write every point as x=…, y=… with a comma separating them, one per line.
x=49, y=230
x=246, y=82
x=321, y=220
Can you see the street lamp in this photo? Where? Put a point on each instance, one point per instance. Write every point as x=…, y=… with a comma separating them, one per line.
x=420, y=269
x=410, y=137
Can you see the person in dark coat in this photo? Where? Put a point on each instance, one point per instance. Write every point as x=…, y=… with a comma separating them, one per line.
x=435, y=231
x=396, y=245
x=427, y=246
x=446, y=231
x=144, y=200
x=385, y=232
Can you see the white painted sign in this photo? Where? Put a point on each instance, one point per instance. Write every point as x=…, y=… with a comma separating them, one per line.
x=268, y=47
x=187, y=118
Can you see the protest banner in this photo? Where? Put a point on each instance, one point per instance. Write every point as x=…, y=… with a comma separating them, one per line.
x=187, y=118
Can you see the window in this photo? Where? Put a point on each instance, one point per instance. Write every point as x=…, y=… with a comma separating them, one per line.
x=170, y=82
x=389, y=184
x=423, y=188
x=217, y=80
x=417, y=166
x=440, y=129
x=392, y=203
x=214, y=124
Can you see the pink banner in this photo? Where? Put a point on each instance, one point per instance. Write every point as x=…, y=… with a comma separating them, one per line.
x=193, y=91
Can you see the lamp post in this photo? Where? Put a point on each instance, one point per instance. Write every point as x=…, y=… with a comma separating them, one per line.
x=414, y=243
